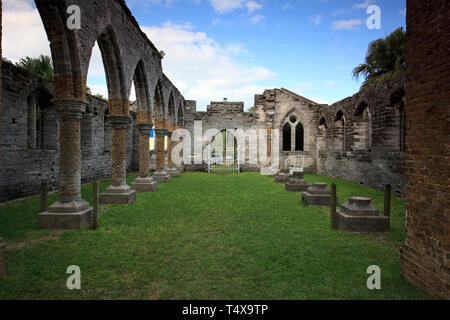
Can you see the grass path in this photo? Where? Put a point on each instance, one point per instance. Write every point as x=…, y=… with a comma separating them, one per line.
x=206, y=237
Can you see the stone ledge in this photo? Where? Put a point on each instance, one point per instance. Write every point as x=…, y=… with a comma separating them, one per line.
x=65, y=220
x=118, y=198
x=350, y=223
x=145, y=185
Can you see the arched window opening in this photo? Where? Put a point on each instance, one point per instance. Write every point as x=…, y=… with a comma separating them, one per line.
x=339, y=132
x=362, y=133
x=287, y=137
x=40, y=120
x=321, y=132
x=299, y=138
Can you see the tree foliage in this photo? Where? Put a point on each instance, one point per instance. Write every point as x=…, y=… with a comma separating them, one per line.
x=385, y=58
x=42, y=65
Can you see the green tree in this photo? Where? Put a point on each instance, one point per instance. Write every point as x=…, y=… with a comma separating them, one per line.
x=385, y=58
x=42, y=65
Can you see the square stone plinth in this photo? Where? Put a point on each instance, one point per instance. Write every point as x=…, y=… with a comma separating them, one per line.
x=317, y=195
x=363, y=223
x=297, y=186
x=161, y=177
x=297, y=183
x=118, y=195
x=173, y=172
x=65, y=220
x=145, y=185
x=359, y=215
x=310, y=199
x=269, y=171
x=282, y=177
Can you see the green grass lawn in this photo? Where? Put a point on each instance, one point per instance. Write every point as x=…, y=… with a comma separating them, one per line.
x=238, y=236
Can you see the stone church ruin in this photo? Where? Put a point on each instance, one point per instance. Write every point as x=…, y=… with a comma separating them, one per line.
x=396, y=133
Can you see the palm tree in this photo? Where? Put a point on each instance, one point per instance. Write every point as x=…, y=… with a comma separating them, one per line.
x=42, y=65
x=385, y=58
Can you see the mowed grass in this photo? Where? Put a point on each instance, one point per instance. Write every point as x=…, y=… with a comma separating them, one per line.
x=238, y=236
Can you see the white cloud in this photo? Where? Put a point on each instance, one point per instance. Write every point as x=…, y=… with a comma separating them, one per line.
x=206, y=69
x=330, y=83
x=317, y=20
x=226, y=6
x=287, y=6
x=23, y=31
x=363, y=5
x=252, y=6
x=403, y=12
x=347, y=24
x=256, y=19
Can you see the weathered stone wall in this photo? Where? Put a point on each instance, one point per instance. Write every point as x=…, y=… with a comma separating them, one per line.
x=24, y=166
x=275, y=107
x=425, y=256
x=361, y=138
x=221, y=116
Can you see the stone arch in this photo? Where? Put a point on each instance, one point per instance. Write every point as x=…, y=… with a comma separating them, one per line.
x=287, y=137
x=65, y=50
x=293, y=120
x=362, y=127
x=299, y=137
x=171, y=109
x=40, y=116
x=321, y=134
x=397, y=132
x=112, y=62
x=141, y=86
x=339, y=138
x=180, y=115
x=159, y=101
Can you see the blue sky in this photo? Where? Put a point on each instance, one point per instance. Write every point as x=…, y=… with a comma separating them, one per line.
x=238, y=48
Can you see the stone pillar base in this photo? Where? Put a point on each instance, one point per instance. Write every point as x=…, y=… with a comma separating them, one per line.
x=173, y=172
x=72, y=215
x=118, y=195
x=269, y=171
x=282, y=177
x=147, y=184
x=161, y=176
x=359, y=215
x=297, y=183
x=317, y=195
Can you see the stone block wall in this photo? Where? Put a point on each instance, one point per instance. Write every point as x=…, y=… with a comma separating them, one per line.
x=425, y=256
x=361, y=138
x=25, y=166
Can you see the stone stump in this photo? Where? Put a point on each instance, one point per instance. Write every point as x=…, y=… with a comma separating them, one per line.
x=2, y=257
x=317, y=195
x=297, y=183
x=282, y=176
x=173, y=172
x=359, y=215
x=268, y=171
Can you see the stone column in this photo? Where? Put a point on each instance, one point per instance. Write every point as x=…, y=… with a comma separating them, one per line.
x=119, y=192
x=144, y=183
x=172, y=169
x=70, y=211
x=160, y=175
